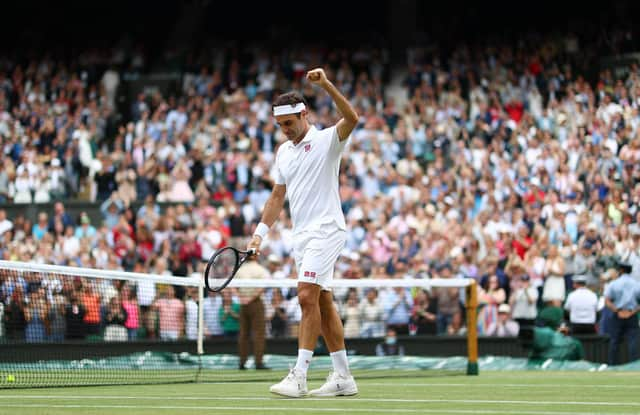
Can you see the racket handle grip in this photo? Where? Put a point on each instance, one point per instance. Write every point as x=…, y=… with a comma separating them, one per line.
x=251, y=251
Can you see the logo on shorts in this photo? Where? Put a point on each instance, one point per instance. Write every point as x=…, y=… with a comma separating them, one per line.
x=307, y=148
x=309, y=274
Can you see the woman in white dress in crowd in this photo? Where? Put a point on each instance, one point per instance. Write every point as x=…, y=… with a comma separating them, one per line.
x=554, y=269
x=180, y=190
x=351, y=315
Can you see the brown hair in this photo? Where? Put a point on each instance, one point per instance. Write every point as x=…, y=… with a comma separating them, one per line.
x=290, y=98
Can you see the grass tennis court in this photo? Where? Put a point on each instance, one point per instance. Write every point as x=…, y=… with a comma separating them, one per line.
x=527, y=392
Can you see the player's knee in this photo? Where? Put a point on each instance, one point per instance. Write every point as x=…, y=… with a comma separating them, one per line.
x=308, y=299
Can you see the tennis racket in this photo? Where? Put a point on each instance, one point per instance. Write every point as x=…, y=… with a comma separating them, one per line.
x=223, y=265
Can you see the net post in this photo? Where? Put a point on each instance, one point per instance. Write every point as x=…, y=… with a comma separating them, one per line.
x=200, y=347
x=200, y=337
x=472, y=329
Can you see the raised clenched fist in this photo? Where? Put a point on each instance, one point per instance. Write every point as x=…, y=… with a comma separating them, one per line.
x=317, y=76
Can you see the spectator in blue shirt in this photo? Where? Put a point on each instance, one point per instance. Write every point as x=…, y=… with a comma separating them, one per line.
x=40, y=228
x=622, y=297
x=111, y=210
x=398, y=304
x=85, y=230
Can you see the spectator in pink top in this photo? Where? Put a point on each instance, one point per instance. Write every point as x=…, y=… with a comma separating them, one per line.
x=380, y=246
x=130, y=305
x=171, y=314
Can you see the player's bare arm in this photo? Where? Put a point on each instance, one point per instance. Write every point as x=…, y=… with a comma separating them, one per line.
x=349, y=115
x=271, y=212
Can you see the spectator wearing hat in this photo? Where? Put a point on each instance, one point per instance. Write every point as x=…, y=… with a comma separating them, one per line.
x=582, y=306
x=504, y=326
x=584, y=262
x=622, y=297
x=85, y=230
x=524, y=301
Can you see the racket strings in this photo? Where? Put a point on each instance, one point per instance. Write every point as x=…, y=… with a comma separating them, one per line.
x=224, y=264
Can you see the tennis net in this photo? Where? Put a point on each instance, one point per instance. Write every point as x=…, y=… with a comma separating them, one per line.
x=77, y=326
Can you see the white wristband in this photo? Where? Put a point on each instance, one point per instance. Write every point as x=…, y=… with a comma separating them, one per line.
x=261, y=230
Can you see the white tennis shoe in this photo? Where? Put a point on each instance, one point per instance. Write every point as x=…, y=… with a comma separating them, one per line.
x=336, y=385
x=294, y=385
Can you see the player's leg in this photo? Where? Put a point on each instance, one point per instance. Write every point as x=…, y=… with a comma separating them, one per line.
x=332, y=329
x=294, y=384
x=309, y=298
x=331, y=326
x=340, y=382
x=313, y=270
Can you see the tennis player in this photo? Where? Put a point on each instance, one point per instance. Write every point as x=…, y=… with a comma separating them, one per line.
x=306, y=169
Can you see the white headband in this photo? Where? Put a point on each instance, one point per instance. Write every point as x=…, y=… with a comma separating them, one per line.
x=288, y=109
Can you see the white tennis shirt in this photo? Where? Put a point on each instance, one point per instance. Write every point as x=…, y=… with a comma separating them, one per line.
x=582, y=305
x=310, y=172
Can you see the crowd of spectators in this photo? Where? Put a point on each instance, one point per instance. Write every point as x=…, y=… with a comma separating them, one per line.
x=502, y=163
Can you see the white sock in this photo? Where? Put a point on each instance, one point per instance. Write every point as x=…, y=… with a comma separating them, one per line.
x=304, y=359
x=340, y=362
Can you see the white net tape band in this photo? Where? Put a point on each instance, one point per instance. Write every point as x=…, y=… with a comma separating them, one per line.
x=99, y=273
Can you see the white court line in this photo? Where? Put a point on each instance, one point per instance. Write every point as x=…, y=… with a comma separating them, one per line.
x=379, y=400
x=285, y=409
x=508, y=385
x=463, y=385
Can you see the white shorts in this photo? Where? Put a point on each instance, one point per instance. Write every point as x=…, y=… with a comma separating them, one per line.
x=316, y=253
